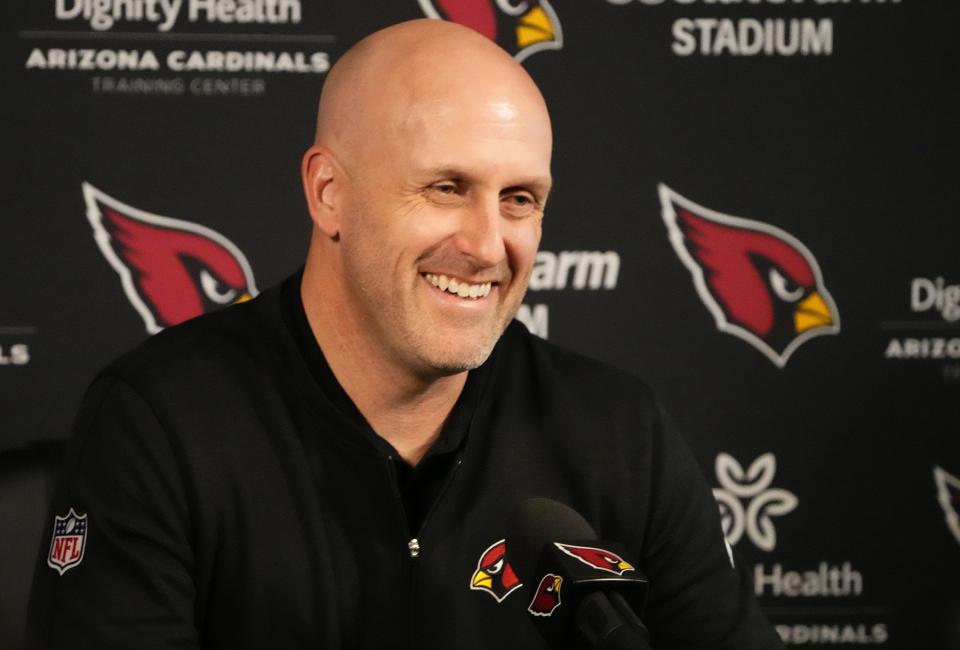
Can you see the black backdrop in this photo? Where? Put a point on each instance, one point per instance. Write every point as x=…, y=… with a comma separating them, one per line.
x=845, y=143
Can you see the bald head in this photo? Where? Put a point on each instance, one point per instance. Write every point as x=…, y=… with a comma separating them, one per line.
x=389, y=78
x=426, y=185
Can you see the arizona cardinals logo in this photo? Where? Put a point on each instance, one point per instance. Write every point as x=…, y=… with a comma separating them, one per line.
x=759, y=282
x=547, y=597
x=598, y=558
x=171, y=270
x=520, y=27
x=948, y=494
x=494, y=574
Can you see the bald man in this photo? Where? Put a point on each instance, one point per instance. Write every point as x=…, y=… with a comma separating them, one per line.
x=332, y=464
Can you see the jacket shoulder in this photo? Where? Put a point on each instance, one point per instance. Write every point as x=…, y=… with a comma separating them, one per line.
x=567, y=371
x=215, y=344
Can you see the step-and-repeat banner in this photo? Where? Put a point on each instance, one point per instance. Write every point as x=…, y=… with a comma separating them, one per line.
x=755, y=210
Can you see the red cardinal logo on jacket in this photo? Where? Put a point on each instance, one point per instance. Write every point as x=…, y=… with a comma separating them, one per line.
x=547, y=597
x=598, y=558
x=759, y=282
x=521, y=27
x=948, y=494
x=171, y=270
x=494, y=574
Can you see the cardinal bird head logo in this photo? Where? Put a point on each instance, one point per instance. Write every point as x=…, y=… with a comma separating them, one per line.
x=948, y=494
x=547, y=597
x=759, y=282
x=171, y=270
x=521, y=27
x=494, y=574
x=598, y=558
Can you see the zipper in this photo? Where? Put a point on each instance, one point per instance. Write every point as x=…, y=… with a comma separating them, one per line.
x=404, y=523
x=414, y=545
x=433, y=506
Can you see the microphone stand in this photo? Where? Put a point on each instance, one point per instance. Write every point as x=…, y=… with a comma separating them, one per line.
x=606, y=622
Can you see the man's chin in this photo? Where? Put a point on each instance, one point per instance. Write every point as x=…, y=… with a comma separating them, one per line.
x=453, y=347
x=455, y=356
x=453, y=364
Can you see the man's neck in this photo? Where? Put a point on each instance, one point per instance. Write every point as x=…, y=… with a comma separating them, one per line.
x=406, y=410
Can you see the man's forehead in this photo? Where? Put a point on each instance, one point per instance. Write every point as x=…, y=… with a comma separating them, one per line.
x=464, y=108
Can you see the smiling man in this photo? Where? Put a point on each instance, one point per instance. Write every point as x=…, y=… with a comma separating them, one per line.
x=427, y=189
x=332, y=464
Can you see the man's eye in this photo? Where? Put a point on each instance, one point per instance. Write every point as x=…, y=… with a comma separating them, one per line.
x=519, y=205
x=444, y=192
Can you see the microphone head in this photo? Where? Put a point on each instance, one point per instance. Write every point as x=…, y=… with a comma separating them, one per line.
x=568, y=574
x=536, y=522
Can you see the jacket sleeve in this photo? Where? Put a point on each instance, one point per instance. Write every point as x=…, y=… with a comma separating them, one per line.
x=699, y=595
x=128, y=582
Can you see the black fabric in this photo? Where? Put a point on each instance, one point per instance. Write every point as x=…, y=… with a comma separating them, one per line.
x=26, y=482
x=231, y=504
x=418, y=486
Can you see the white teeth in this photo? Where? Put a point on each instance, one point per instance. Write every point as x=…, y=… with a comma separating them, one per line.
x=461, y=288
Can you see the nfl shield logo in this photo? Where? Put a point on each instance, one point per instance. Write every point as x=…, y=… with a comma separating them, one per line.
x=69, y=541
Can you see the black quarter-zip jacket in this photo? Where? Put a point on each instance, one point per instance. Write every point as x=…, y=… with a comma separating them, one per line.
x=235, y=498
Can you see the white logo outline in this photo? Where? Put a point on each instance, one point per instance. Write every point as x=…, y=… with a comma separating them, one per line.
x=93, y=196
x=763, y=502
x=76, y=517
x=490, y=591
x=566, y=549
x=667, y=199
x=944, y=481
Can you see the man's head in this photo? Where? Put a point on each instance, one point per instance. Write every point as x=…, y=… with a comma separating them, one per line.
x=430, y=172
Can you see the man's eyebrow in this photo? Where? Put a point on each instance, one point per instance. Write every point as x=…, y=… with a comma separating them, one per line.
x=446, y=171
x=538, y=184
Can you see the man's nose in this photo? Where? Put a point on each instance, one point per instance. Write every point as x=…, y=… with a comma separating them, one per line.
x=480, y=234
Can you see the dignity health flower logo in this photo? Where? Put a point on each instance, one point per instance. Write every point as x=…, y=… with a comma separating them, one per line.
x=747, y=502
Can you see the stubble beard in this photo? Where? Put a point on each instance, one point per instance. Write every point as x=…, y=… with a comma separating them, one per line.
x=401, y=328
x=404, y=332
x=453, y=354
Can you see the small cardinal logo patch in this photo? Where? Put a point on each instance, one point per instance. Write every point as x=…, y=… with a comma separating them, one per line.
x=521, y=28
x=598, y=558
x=171, y=270
x=760, y=283
x=547, y=597
x=494, y=574
x=69, y=541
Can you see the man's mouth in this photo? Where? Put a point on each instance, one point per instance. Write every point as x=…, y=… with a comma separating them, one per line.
x=459, y=288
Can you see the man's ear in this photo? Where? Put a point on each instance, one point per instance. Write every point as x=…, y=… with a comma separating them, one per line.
x=322, y=182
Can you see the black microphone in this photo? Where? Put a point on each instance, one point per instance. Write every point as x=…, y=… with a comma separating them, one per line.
x=578, y=585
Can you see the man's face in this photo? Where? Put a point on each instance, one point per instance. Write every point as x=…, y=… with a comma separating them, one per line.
x=441, y=224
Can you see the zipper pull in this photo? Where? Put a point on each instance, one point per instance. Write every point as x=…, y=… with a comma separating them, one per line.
x=414, y=547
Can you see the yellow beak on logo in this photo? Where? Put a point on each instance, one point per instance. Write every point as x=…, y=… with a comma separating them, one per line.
x=243, y=297
x=625, y=566
x=482, y=579
x=534, y=27
x=812, y=312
